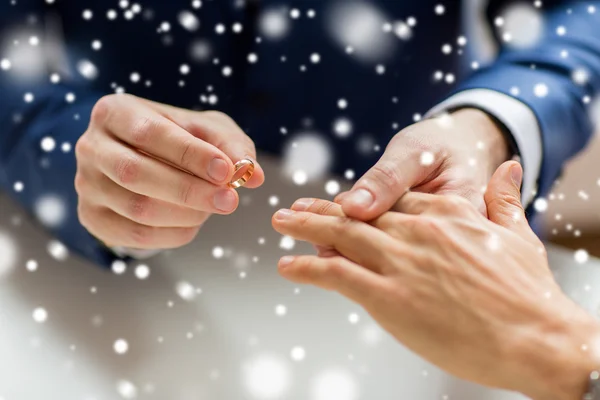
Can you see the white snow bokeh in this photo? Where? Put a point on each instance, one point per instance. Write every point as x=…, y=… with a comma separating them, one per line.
x=188, y=21
x=335, y=383
x=57, y=250
x=521, y=25
x=287, y=243
x=274, y=23
x=50, y=210
x=267, y=377
x=372, y=334
x=126, y=389
x=28, y=62
x=359, y=25
x=200, y=50
x=8, y=253
x=581, y=256
x=309, y=155
x=40, y=315
x=87, y=69
x=186, y=290
x=142, y=271
x=121, y=346
x=298, y=353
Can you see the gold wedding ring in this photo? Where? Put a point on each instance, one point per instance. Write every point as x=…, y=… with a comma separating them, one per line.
x=246, y=164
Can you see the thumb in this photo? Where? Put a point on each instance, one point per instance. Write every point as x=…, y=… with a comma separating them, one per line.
x=503, y=198
x=400, y=168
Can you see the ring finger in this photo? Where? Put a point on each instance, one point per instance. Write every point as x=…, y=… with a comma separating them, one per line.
x=149, y=177
x=143, y=209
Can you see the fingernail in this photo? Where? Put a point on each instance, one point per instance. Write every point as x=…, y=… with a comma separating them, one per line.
x=360, y=197
x=225, y=200
x=283, y=214
x=516, y=174
x=303, y=204
x=286, y=260
x=218, y=169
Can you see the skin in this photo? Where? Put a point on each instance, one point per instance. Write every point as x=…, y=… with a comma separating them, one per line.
x=149, y=175
x=467, y=147
x=474, y=296
x=145, y=181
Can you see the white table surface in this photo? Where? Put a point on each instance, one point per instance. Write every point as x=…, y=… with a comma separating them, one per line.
x=228, y=342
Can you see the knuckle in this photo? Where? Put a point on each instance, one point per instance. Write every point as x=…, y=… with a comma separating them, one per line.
x=142, y=130
x=84, y=147
x=505, y=200
x=139, y=208
x=188, y=155
x=103, y=108
x=335, y=268
x=344, y=226
x=214, y=114
x=83, y=213
x=198, y=218
x=304, y=220
x=80, y=183
x=385, y=174
x=187, y=192
x=127, y=169
x=141, y=235
x=186, y=236
x=324, y=207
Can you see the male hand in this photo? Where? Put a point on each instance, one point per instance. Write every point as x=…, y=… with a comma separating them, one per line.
x=452, y=154
x=471, y=295
x=149, y=175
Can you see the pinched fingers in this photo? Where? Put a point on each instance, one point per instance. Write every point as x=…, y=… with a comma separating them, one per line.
x=147, y=176
x=131, y=120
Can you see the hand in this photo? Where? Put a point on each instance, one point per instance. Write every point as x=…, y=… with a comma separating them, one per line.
x=473, y=296
x=452, y=154
x=149, y=175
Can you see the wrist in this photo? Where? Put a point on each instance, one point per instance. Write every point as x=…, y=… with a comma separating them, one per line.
x=488, y=132
x=561, y=357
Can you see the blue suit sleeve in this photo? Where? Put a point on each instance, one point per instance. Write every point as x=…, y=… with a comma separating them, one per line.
x=38, y=177
x=542, y=77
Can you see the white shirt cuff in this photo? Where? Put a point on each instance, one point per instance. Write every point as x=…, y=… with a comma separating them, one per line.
x=520, y=121
x=138, y=254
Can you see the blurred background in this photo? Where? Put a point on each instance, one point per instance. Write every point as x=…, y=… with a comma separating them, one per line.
x=573, y=215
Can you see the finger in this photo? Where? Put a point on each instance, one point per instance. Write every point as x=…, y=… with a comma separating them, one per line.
x=474, y=196
x=147, y=176
x=503, y=198
x=143, y=128
x=318, y=206
x=324, y=251
x=220, y=130
x=339, y=197
x=115, y=229
x=355, y=240
x=398, y=170
x=394, y=224
x=142, y=209
x=414, y=203
x=335, y=273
